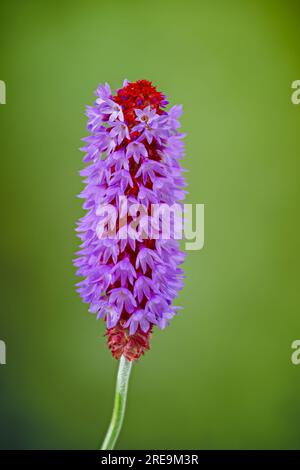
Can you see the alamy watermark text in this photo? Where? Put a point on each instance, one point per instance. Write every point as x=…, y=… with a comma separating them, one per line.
x=2, y=352
x=2, y=92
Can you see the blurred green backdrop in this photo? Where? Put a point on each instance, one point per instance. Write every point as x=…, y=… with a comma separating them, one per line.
x=220, y=376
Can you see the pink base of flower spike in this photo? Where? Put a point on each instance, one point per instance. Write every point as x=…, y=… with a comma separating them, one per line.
x=121, y=343
x=133, y=151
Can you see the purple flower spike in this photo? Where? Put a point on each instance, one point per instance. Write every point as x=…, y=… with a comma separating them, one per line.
x=132, y=152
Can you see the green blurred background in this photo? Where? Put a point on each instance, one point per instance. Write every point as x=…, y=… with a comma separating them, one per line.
x=220, y=376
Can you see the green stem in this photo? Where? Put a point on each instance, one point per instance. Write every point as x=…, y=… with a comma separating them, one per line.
x=119, y=405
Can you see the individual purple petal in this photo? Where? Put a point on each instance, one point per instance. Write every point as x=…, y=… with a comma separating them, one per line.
x=112, y=109
x=138, y=318
x=119, y=130
x=122, y=297
x=104, y=93
x=136, y=150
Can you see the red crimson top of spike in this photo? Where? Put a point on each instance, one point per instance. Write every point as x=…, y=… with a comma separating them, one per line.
x=138, y=95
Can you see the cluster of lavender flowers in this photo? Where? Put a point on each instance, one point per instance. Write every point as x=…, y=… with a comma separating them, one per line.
x=133, y=150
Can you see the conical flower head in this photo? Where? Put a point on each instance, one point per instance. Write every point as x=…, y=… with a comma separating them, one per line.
x=133, y=177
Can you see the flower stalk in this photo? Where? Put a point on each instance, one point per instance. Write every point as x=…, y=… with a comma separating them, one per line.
x=119, y=405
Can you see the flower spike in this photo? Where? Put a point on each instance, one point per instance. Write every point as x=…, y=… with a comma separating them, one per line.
x=130, y=278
